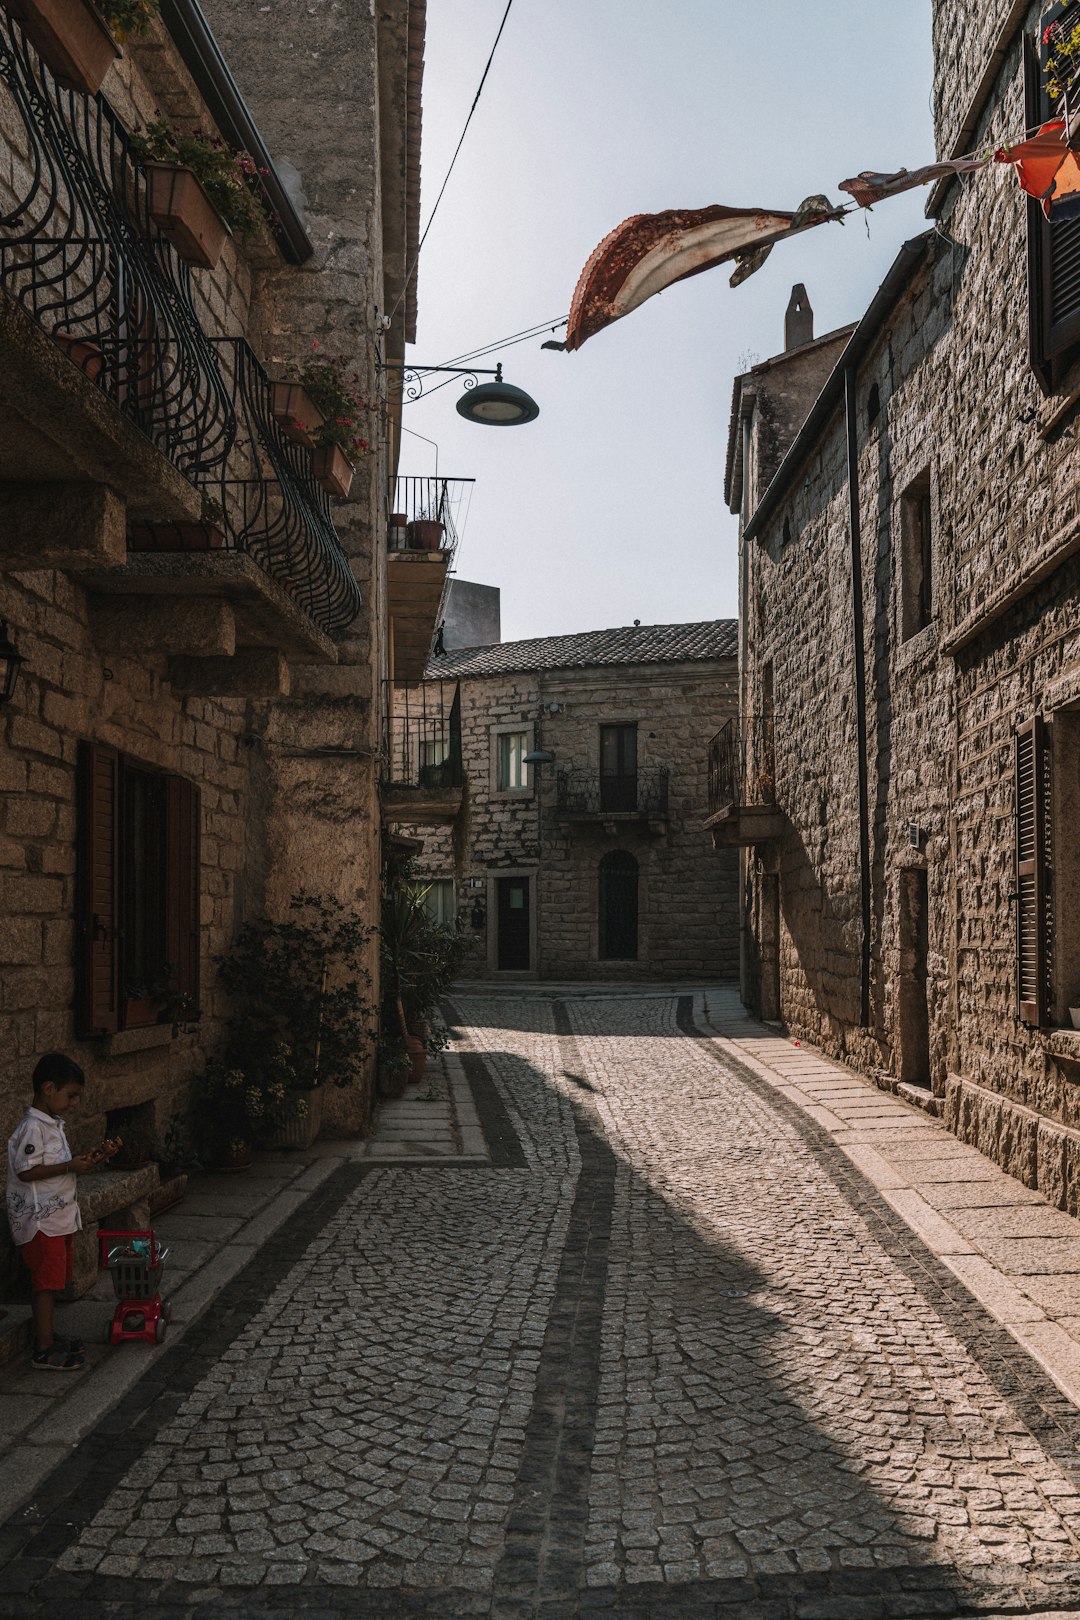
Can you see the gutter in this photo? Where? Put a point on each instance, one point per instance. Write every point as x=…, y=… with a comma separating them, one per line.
x=202, y=56
x=885, y=300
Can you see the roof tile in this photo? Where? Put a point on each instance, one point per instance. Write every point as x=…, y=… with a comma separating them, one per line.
x=630, y=644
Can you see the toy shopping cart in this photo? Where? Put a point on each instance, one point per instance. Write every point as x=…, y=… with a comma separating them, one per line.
x=135, y=1263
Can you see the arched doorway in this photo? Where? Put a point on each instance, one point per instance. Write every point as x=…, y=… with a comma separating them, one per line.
x=618, y=907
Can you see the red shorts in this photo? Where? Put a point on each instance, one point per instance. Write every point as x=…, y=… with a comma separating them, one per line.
x=51, y=1259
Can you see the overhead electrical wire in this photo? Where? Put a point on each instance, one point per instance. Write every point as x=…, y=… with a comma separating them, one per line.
x=453, y=160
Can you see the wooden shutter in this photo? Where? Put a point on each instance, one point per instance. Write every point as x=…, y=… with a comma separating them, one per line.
x=182, y=887
x=1034, y=874
x=1053, y=250
x=97, y=888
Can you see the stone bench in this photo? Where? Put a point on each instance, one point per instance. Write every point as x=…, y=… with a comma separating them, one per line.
x=108, y=1198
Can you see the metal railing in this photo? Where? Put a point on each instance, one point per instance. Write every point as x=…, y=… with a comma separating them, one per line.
x=581, y=791
x=79, y=252
x=422, y=747
x=742, y=764
x=432, y=500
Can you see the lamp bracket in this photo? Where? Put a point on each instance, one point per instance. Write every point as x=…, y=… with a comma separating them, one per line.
x=413, y=374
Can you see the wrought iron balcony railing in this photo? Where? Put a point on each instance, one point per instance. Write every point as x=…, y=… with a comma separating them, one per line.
x=423, y=736
x=442, y=501
x=584, y=792
x=79, y=252
x=742, y=769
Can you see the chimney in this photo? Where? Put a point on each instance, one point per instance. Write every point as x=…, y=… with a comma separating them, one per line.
x=799, y=320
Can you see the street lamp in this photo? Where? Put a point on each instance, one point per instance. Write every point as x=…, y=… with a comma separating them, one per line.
x=11, y=659
x=539, y=756
x=493, y=404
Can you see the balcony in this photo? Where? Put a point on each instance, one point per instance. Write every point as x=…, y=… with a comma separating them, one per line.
x=742, y=785
x=108, y=380
x=423, y=776
x=610, y=799
x=421, y=553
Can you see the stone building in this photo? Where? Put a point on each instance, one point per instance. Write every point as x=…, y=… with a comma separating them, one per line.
x=592, y=864
x=904, y=780
x=195, y=732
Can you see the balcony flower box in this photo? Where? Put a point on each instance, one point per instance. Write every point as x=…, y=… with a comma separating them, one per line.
x=82, y=353
x=332, y=469
x=72, y=37
x=296, y=413
x=426, y=534
x=182, y=211
x=175, y=537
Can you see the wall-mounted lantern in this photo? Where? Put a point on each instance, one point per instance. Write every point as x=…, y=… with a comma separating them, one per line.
x=11, y=660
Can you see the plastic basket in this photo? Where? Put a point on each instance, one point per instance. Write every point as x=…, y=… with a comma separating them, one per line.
x=134, y=1277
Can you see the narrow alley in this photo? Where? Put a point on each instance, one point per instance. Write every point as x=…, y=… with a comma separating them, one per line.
x=711, y=1327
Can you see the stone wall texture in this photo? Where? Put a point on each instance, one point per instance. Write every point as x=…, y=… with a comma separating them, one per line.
x=687, y=897
x=960, y=409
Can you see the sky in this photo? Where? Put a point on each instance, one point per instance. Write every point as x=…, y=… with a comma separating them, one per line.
x=609, y=507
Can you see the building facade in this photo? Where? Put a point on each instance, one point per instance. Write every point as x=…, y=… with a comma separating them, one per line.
x=205, y=633
x=593, y=863
x=910, y=685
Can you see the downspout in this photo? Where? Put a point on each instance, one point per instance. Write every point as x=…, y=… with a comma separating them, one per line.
x=860, y=688
x=745, y=855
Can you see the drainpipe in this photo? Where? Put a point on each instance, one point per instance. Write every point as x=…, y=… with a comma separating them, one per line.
x=745, y=554
x=860, y=688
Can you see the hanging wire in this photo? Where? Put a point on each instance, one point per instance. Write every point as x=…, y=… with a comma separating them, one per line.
x=453, y=160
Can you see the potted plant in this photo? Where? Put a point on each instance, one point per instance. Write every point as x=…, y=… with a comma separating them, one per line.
x=296, y=413
x=420, y=961
x=73, y=37
x=426, y=534
x=398, y=531
x=339, y=441
x=234, y=1111
x=208, y=535
x=301, y=1019
x=198, y=190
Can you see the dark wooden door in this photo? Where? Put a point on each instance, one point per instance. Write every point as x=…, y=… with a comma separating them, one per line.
x=619, y=907
x=618, y=767
x=513, y=912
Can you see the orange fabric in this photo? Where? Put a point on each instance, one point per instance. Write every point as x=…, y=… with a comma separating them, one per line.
x=1045, y=167
x=51, y=1261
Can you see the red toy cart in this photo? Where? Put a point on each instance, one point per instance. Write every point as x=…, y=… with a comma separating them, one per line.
x=141, y=1313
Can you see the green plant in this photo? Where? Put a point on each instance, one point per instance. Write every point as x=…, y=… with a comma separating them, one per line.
x=233, y=1108
x=128, y=17
x=338, y=393
x=420, y=961
x=226, y=176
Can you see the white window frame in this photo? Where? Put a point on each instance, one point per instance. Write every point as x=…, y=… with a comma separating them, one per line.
x=520, y=728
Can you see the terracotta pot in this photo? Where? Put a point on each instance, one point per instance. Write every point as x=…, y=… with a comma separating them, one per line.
x=86, y=355
x=296, y=413
x=175, y=537
x=417, y=1051
x=332, y=469
x=426, y=534
x=398, y=531
x=72, y=37
x=183, y=212
x=235, y=1158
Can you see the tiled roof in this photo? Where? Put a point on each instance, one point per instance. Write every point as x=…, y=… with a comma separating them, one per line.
x=630, y=644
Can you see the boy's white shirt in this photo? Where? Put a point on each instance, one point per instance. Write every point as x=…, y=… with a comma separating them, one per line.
x=50, y=1205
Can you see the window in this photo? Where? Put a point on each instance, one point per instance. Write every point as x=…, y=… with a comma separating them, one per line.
x=916, y=557
x=439, y=901
x=618, y=767
x=1034, y=896
x=513, y=773
x=137, y=885
x=1053, y=250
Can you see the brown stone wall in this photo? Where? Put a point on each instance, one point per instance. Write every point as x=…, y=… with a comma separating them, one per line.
x=687, y=893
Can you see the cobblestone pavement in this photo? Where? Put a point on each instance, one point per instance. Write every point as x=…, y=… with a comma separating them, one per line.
x=665, y=1354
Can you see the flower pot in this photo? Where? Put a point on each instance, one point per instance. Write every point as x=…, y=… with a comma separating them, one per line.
x=86, y=355
x=296, y=413
x=332, y=469
x=301, y=1130
x=426, y=534
x=1074, y=1014
x=72, y=37
x=417, y=1051
x=175, y=537
x=183, y=212
x=398, y=531
x=236, y=1156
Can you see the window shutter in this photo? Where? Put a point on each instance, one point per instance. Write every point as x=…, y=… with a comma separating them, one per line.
x=97, y=883
x=1053, y=250
x=1034, y=871
x=182, y=889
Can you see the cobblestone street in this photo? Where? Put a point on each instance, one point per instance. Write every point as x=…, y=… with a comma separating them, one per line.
x=668, y=1352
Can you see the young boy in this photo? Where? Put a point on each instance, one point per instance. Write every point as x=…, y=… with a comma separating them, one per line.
x=41, y=1202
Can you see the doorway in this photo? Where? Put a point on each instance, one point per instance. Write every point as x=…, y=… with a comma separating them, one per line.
x=618, y=907
x=913, y=1007
x=512, y=954
x=618, y=767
